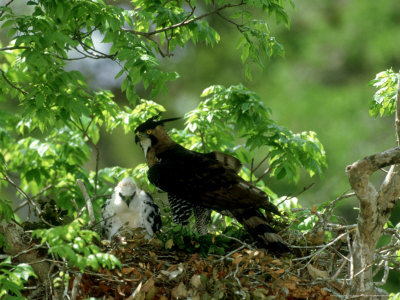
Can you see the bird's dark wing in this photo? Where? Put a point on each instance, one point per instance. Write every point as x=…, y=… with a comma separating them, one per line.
x=203, y=180
x=152, y=214
x=228, y=161
x=256, y=224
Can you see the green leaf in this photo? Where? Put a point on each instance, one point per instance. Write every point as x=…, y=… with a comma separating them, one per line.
x=384, y=101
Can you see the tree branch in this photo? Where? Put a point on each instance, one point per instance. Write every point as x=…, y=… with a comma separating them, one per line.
x=27, y=197
x=11, y=84
x=184, y=22
x=89, y=205
x=13, y=48
x=397, y=119
x=375, y=210
x=7, y=4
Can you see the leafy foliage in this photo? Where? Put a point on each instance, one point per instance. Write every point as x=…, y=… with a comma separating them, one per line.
x=181, y=238
x=229, y=114
x=76, y=245
x=384, y=102
x=12, y=279
x=48, y=140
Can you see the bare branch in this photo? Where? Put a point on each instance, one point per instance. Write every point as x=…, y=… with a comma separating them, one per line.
x=397, y=118
x=75, y=286
x=263, y=174
x=251, y=169
x=88, y=202
x=13, y=48
x=27, y=197
x=238, y=26
x=203, y=142
x=261, y=162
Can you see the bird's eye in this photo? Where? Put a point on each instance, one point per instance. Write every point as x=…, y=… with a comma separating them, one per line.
x=148, y=131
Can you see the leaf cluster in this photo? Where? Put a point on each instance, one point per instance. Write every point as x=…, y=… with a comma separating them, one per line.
x=181, y=238
x=75, y=244
x=384, y=101
x=12, y=278
x=235, y=120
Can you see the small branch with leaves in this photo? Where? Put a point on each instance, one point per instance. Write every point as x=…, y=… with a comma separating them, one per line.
x=186, y=21
x=3, y=74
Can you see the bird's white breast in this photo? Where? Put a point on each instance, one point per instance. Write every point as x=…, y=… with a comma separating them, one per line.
x=146, y=144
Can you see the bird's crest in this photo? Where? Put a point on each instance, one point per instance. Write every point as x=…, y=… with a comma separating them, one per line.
x=153, y=123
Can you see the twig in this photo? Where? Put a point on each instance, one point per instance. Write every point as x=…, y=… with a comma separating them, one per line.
x=237, y=240
x=42, y=191
x=86, y=55
x=29, y=249
x=7, y=4
x=184, y=22
x=88, y=202
x=96, y=175
x=329, y=209
x=99, y=55
x=261, y=162
x=203, y=142
x=76, y=206
x=232, y=252
x=234, y=273
x=27, y=197
x=263, y=174
x=13, y=48
x=397, y=120
x=238, y=26
x=75, y=286
x=84, y=131
x=11, y=84
x=21, y=206
x=299, y=193
x=320, y=250
x=351, y=264
x=339, y=270
x=251, y=169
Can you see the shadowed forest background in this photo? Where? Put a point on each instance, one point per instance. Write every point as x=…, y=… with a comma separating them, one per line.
x=332, y=50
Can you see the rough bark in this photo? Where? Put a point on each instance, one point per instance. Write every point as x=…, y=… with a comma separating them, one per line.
x=19, y=248
x=375, y=210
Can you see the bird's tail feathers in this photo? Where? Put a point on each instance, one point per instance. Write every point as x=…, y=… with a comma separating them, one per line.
x=256, y=224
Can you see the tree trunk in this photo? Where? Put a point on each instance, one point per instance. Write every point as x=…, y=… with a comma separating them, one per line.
x=375, y=210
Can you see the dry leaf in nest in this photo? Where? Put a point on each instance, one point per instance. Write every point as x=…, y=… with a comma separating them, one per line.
x=144, y=292
x=137, y=293
x=150, y=289
x=195, y=281
x=169, y=244
x=174, y=274
x=316, y=238
x=237, y=260
x=179, y=292
x=316, y=273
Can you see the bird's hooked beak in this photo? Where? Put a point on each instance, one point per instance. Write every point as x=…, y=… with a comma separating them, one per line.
x=137, y=138
x=130, y=198
x=140, y=136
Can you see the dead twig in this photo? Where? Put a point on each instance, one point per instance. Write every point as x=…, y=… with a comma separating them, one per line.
x=89, y=206
x=75, y=286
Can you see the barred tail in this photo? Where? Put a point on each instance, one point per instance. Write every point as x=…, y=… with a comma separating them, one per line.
x=256, y=224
